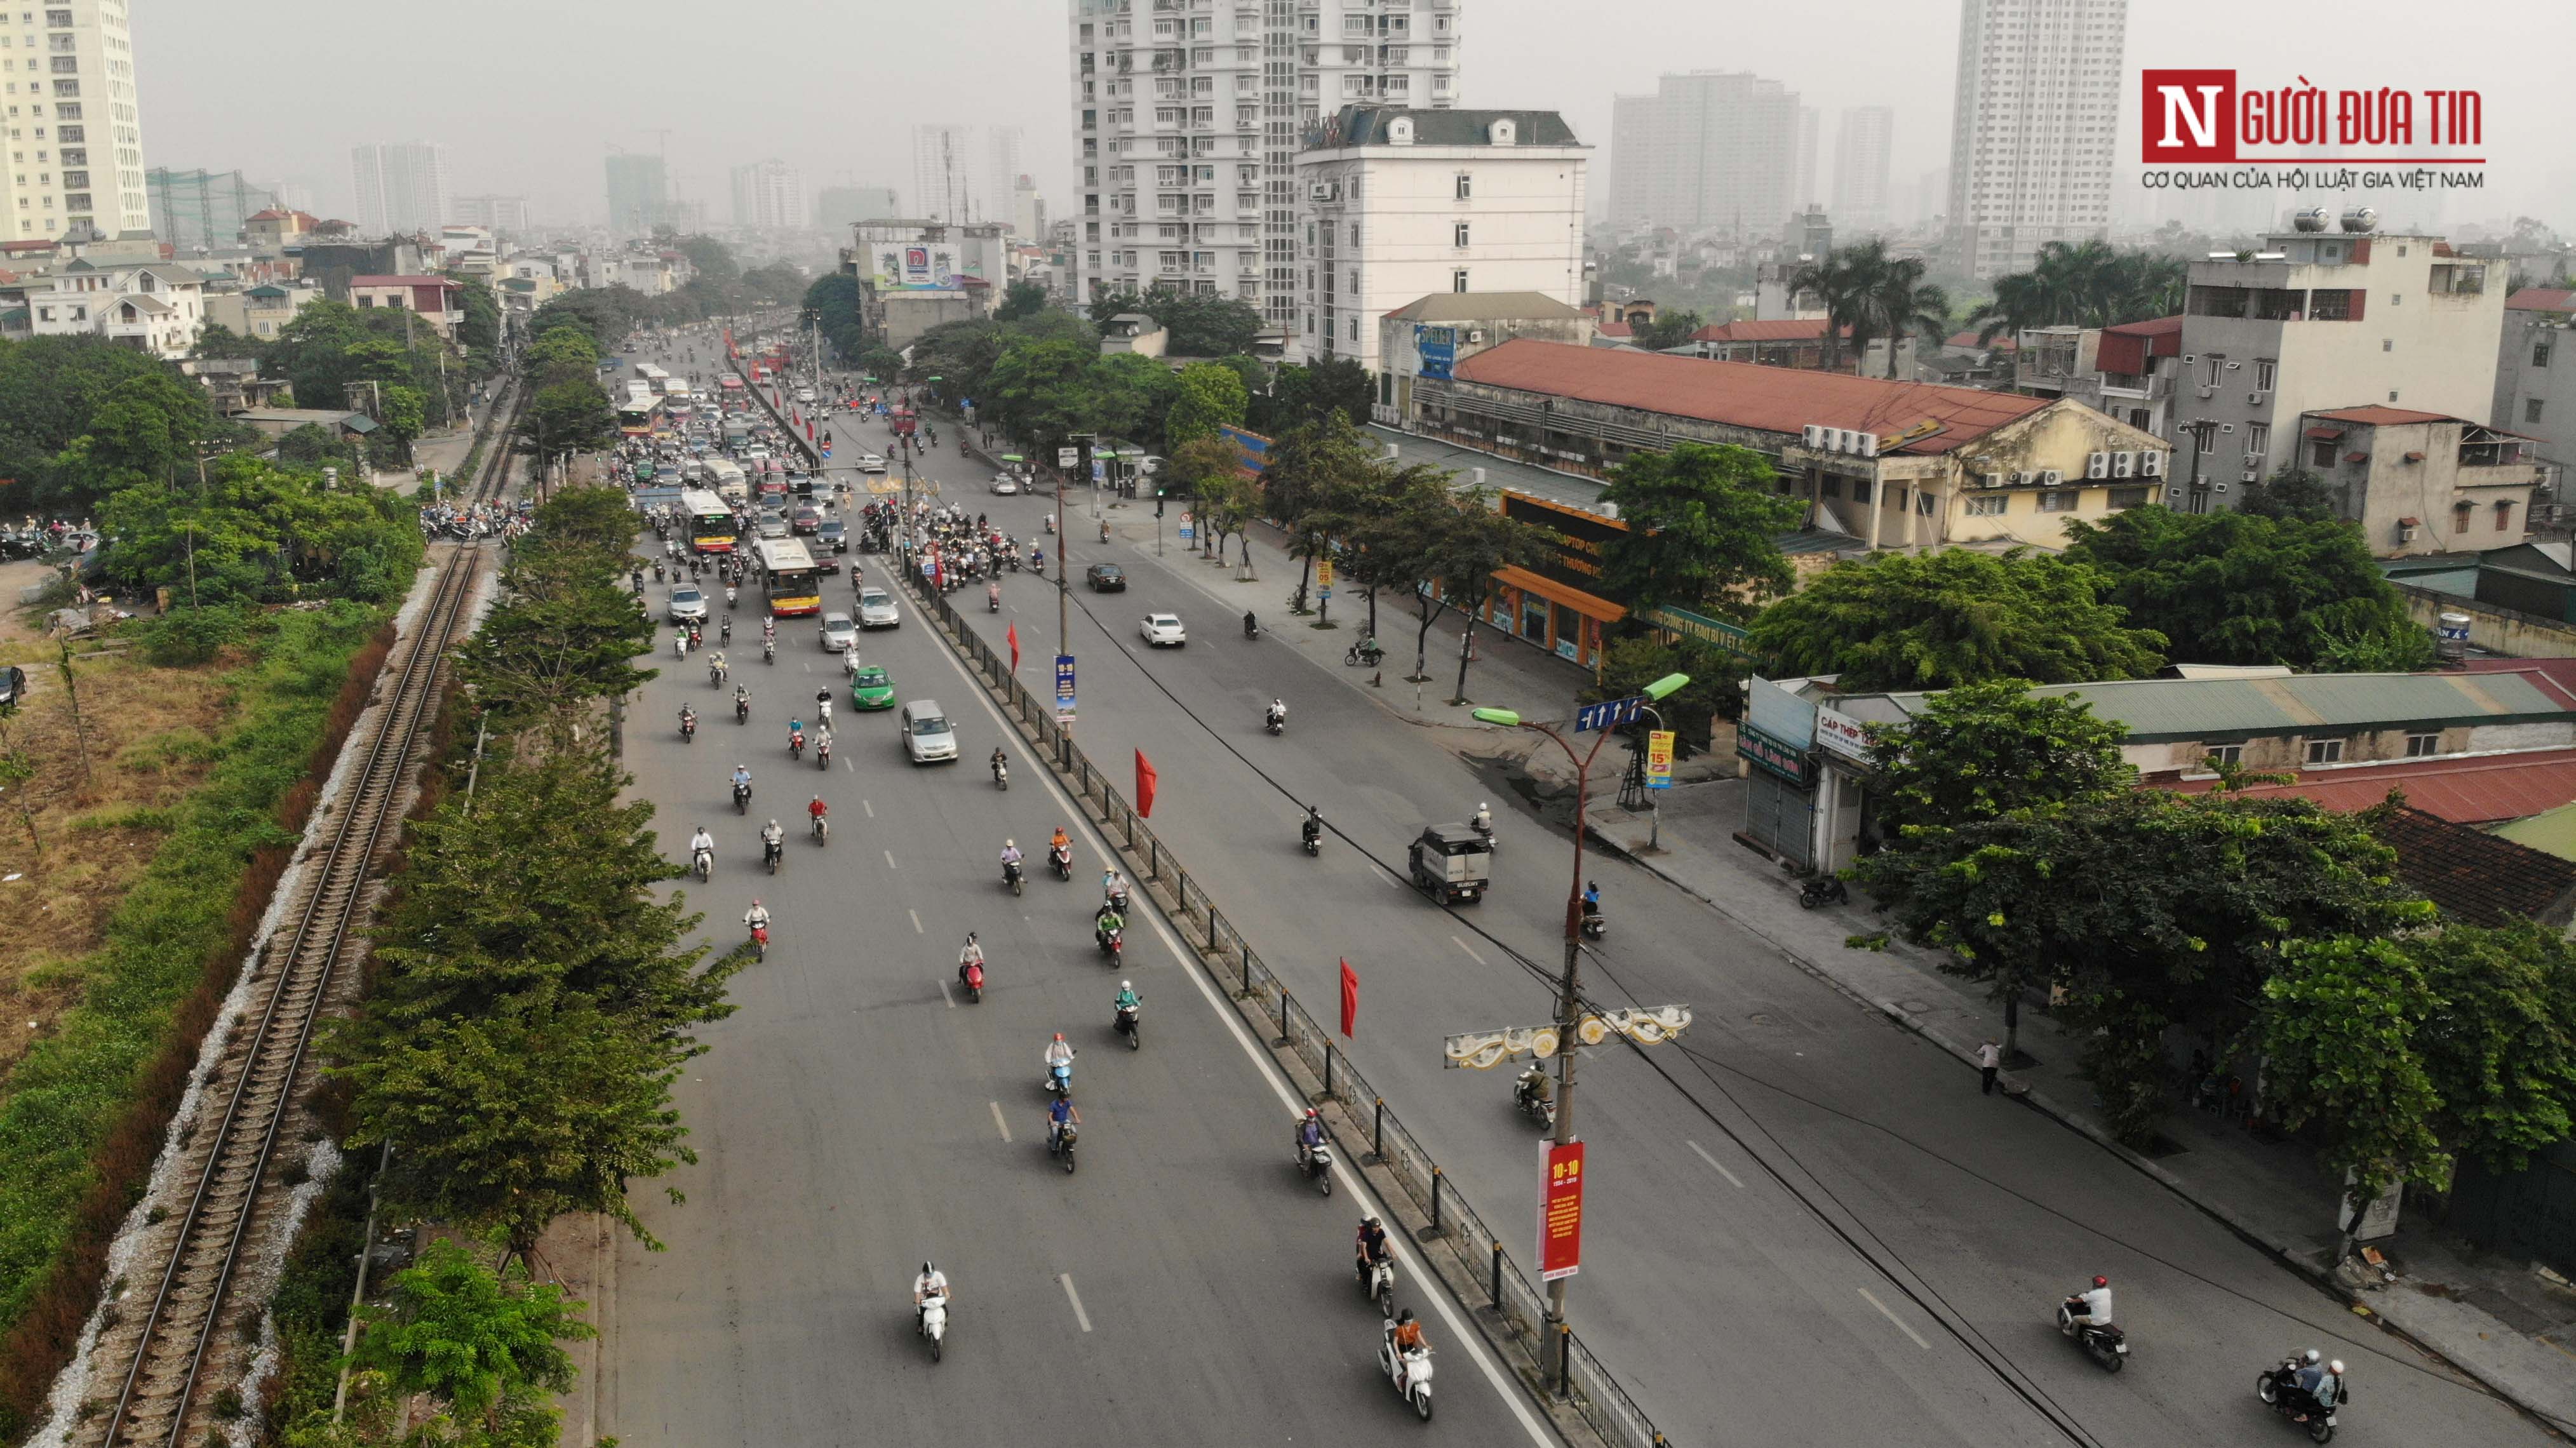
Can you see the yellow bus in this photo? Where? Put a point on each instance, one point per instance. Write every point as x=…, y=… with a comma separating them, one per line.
x=788, y=576
x=711, y=525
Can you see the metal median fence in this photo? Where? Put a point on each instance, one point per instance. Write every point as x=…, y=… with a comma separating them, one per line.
x=1565, y=1369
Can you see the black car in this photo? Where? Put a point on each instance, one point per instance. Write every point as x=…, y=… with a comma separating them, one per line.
x=1105, y=578
x=835, y=533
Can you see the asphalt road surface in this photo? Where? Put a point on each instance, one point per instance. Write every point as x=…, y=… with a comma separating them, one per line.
x=858, y=1115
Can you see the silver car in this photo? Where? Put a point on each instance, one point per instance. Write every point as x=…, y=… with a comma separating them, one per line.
x=838, y=633
x=877, y=610
x=687, y=605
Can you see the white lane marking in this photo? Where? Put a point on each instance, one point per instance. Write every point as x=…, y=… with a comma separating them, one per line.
x=1471, y=950
x=1071, y=1296
x=998, y=1122
x=889, y=859
x=1714, y=1162
x=944, y=995
x=916, y=922
x=1892, y=1317
x=849, y=764
x=1506, y=1387
x=871, y=809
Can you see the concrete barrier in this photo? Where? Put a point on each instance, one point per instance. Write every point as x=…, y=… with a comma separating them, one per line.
x=2495, y=630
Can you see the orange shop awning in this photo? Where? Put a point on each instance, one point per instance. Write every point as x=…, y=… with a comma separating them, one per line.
x=1590, y=605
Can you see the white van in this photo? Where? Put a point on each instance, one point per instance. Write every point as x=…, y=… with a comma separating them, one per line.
x=927, y=735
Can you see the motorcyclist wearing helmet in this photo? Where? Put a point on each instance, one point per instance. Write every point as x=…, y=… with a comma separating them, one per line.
x=1126, y=999
x=1371, y=1246
x=1405, y=1333
x=931, y=1283
x=1310, y=1134
x=2090, y=1308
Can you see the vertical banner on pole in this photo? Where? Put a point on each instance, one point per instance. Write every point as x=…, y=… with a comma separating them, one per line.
x=1659, y=759
x=1560, y=1213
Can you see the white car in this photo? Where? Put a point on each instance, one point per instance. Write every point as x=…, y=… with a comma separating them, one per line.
x=1162, y=630
x=839, y=633
x=876, y=609
x=1004, y=485
x=805, y=395
x=871, y=463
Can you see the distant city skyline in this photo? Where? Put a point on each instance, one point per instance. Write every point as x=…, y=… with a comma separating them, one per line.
x=400, y=185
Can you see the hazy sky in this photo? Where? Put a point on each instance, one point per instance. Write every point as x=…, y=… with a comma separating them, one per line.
x=529, y=95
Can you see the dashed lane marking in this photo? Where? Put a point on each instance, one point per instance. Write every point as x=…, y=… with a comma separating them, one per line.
x=1713, y=1161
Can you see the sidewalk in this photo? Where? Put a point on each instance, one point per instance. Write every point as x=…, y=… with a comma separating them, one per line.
x=2497, y=1319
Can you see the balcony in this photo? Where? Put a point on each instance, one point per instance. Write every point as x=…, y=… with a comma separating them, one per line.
x=2136, y=387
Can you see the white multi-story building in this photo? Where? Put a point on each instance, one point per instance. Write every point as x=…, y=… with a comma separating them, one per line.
x=944, y=178
x=402, y=187
x=1188, y=119
x=75, y=133
x=504, y=216
x=2318, y=321
x=1394, y=204
x=768, y=194
x=1862, y=143
x=2031, y=138
x=1005, y=158
x=1708, y=151
x=155, y=308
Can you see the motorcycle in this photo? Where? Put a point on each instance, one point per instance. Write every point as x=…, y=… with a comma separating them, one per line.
x=993, y=599
x=1377, y=1284
x=1823, y=890
x=972, y=974
x=1125, y=1025
x=1594, y=924
x=741, y=710
x=1060, y=1145
x=1011, y=875
x=2104, y=1343
x=2279, y=1389
x=931, y=1321
x=725, y=632
x=741, y=798
x=715, y=676
x=729, y=598
x=688, y=727
x=822, y=830
x=1408, y=1372
x=796, y=747
x=1275, y=723
x=760, y=942
x=769, y=651
x=1317, y=1163
x=1539, y=1109
x=704, y=863
x=1001, y=775
x=1059, y=1078
x=1113, y=943
x=823, y=752
x=1363, y=655
x=1117, y=898
x=1312, y=836
x=1060, y=861
x=1251, y=627
x=770, y=853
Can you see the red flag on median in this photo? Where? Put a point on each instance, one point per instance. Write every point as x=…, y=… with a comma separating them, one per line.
x=1144, y=786
x=1350, y=998
x=1015, y=647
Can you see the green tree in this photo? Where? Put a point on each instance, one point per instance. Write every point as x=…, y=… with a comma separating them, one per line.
x=882, y=363
x=2235, y=588
x=310, y=443
x=566, y=630
x=1935, y=620
x=568, y=417
x=831, y=304
x=214, y=339
x=1201, y=324
x=1988, y=749
x=1628, y=665
x=1309, y=485
x=1127, y=396
x=1209, y=472
x=1703, y=523
x=1021, y=299
x=1899, y=303
x=1667, y=331
x=1465, y=541
x=1210, y=395
x=712, y=260
x=405, y=414
x=1842, y=280
x=1301, y=396
x=479, y=330
x=2292, y=493
x=455, y=1333
x=1380, y=542
x=2338, y=1040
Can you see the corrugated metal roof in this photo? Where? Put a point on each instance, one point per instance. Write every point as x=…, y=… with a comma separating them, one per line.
x=1483, y=307
x=1781, y=330
x=1746, y=394
x=2170, y=710
x=2478, y=790
x=2377, y=416
x=2541, y=299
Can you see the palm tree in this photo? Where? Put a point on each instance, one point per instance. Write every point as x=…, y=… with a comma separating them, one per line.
x=2085, y=285
x=1840, y=279
x=1902, y=304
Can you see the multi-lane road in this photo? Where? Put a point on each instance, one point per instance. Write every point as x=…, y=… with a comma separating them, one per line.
x=1803, y=1225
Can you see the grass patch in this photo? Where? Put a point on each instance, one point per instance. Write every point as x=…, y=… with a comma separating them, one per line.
x=81, y=1115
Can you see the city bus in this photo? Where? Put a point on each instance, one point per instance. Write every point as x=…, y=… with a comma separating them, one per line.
x=788, y=576
x=635, y=419
x=711, y=525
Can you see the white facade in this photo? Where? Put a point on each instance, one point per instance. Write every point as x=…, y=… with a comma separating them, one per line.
x=402, y=187
x=1862, y=143
x=1416, y=202
x=1711, y=151
x=157, y=309
x=1187, y=124
x=1005, y=159
x=768, y=194
x=944, y=176
x=2319, y=321
x=75, y=132
x=502, y=215
x=2031, y=138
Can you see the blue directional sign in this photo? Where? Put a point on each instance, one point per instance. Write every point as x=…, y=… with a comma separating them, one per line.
x=1607, y=713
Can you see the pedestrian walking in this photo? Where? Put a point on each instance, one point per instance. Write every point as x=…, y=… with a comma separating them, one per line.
x=1990, y=1058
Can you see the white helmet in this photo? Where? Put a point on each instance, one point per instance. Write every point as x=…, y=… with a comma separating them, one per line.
x=2313, y=1355
x=2335, y=1367
x=1126, y=985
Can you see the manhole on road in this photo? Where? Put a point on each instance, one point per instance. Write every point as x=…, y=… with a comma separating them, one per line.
x=1913, y=1008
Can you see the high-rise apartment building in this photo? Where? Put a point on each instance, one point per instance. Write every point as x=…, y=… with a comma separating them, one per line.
x=505, y=216
x=1187, y=125
x=946, y=184
x=1802, y=172
x=1708, y=151
x=1863, y=141
x=768, y=194
x=75, y=130
x=1005, y=163
x=639, y=194
x=402, y=187
x=2031, y=139
x=838, y=206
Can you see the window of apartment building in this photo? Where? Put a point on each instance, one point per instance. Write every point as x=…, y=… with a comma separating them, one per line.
x=2504, y=517
x=1467, y=188
x=2387, y=344
x=2539, y=354
x=1355, y=327
x=2258, y=439
x=2059, y=500
x=2204, y=437
x=2266, y=372
x=2531, y=409
x=2213, y=367
x=2325, y=751
x=2123, y=499
x=1989, y=506
x=1458, y=280
x=2460, y=516
x=2321, y=454
x=2419, y=746
x=1830, y=486
x=2223, y=754
x=1458, y=235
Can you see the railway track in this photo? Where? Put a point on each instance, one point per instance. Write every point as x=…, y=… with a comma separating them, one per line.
x=165, y=1352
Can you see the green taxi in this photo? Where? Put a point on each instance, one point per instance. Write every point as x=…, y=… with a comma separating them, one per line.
x=871, y=689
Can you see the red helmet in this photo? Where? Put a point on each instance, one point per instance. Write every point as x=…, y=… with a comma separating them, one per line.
x=2098, y=1281
x=1312, y=1113
x=1059, y=1035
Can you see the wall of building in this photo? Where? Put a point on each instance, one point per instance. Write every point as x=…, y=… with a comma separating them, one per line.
x=2536, y=372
